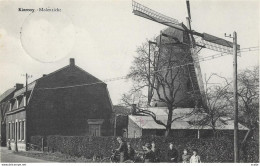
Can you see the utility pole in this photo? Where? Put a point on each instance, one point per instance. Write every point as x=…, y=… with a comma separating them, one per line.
x=16, y=123
x=236, y=151
x=26, y=102
x=236, y=155
x=149, y=75
x=26, y=89
x=150, y=88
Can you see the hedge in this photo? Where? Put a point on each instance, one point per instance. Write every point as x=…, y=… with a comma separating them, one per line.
x=37, y=140
x=210, y=150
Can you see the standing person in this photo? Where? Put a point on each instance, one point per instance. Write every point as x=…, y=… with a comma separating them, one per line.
x=148, y=154
x=195, y=158
x=122, y=149
x=185, y=157
x=172, y=154
x=130, y=152
x=157, y=152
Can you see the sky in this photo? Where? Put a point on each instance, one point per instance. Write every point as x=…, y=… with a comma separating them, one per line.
x=103, y=35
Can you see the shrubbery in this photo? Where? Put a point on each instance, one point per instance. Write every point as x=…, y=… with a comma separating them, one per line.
x=37, y=140
x=210, y=150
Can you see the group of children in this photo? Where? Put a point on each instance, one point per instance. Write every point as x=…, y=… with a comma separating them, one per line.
x=186, y=158
x=151, y=154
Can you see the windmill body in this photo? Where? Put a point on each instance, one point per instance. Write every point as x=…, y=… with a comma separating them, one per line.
x=175, y=44
x=189, y=42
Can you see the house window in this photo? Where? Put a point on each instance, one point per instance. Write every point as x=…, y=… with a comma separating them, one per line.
x=18, y=130
x=9, y=130
x=17, y=103
x=95, y=126
x=23, y=130
x=13, y=130
x=24, y=101
x=10, y=107
x=94, y=130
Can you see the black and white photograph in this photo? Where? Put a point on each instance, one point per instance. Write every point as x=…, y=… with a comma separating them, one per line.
x=129, y=81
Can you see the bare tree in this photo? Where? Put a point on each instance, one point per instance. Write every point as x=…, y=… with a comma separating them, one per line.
x=140, y=72
x=248, y=95
x=168, y=69
x=217, y=106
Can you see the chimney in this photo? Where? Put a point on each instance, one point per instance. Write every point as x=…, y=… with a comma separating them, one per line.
x=18, y=86
x=44, y=75
x=72, y=62
x=133, y=110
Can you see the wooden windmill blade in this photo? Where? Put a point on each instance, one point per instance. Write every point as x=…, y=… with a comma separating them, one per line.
x=145, y=12
x=205, y=40
x=188, y=8
x=194, y=69
x=216, y=44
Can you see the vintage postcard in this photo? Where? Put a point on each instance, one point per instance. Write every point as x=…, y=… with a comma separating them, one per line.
x=129, y=81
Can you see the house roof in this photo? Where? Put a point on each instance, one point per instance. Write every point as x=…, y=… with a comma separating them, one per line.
x=32, y=84
x=147, y=122
x=7, y=93
x=29, y=88
x=121, y=110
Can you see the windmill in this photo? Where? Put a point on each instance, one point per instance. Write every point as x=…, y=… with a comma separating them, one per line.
x=195, y=40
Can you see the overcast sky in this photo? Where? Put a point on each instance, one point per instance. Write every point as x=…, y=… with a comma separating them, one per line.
x=102, y=36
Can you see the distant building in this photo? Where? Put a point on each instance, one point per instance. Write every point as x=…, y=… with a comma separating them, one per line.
x=69, y=102
x=120, y=120
x=142, y=125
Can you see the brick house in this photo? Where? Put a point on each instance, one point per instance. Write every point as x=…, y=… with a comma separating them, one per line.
x=4, y=107
x=142, y=125
x=69, y=101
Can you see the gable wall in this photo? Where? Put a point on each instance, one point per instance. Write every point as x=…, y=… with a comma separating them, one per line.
x=66, y=111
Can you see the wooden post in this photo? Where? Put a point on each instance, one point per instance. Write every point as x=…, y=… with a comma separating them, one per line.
x=42, y=145
x=236, y=155
x=149, y=75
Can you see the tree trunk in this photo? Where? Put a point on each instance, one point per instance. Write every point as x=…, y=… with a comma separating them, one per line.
x=214, y=132
x=167, y=132
x=169, y=121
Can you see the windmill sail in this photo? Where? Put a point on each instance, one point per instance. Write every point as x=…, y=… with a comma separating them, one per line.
x=150, y=14
x=188, y=8
x=209, y=41
x=215, y=43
